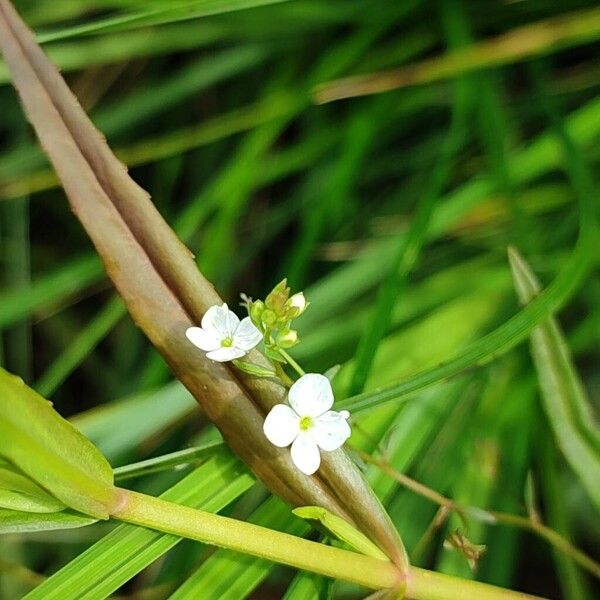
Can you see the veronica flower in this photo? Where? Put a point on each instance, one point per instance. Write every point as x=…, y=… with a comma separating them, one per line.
x=308, y=424
x=223, y=336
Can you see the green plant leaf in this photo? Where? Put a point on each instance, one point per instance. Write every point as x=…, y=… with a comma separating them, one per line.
x=124, y=552
x=51, y=451
x=14, y=521
x=18, y=492
x=566, y=406
x=341, y=529
x=178, y=10
x=48, y=290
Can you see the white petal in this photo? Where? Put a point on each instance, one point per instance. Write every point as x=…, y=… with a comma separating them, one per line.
x=204, y=340
x=247, y=335
x=281, y=426
x=305, y=453
x=224, y=354
x=311, y=395
x=220, y=321
x=331, y=430
x=298, y=301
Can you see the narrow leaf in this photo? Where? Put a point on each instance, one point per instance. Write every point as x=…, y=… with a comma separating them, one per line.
x=341, y=529
x=563, y=396
x=15, y=521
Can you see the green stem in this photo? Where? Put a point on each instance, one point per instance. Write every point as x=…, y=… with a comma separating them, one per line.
x=292, y=362
x=286, y=549
x=287, y=380
x=255, y=540
x=429, y=585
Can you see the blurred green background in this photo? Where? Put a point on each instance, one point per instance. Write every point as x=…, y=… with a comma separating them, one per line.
x=392, y=211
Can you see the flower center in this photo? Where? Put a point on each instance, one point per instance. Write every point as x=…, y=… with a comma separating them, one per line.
x=305, y=423
x=227, y=342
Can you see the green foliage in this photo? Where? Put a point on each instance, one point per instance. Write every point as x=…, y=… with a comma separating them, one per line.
x=391, y=212
x=50, y=451
x=567, y=408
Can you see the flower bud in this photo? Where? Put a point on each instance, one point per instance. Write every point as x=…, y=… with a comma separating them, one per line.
x=278, y=297
x=268, y=318
x=256, y=310
x=296, y=305
x=287, y=338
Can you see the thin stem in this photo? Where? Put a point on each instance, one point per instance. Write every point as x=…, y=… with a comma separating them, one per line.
x=493, y=517
x=292, y=362
x=287, y=380
x=255, y=540
x=133, y=507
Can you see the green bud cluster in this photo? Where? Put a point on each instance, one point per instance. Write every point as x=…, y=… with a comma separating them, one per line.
x=274, y=317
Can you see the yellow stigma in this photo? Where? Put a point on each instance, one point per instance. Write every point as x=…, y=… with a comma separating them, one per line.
x=227, y=343
x=305, y=423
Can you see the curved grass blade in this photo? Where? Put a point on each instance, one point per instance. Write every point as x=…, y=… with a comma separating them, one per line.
x=49, y=290
x=179, y=10
x=517, y=328
x=408, y=251
x=535, y=39
x=563, y=396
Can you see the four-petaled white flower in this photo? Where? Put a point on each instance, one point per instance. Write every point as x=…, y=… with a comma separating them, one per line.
x=308, y=424
x=223, y=336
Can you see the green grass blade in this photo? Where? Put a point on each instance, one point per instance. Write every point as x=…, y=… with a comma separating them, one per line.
x=118, y=557
x=407, y=253
x=49, y=290
x=86, y=340
x=118, y=427
x=180, y=10
x=563, y=395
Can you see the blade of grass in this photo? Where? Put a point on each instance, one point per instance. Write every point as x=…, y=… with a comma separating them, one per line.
x=536, y=39
x=566, y=406
x=517, y=328
x=571, y=579
x=123, y=553
x=179, y=10
x=49, y=290
x=118, y=427
x=80, y=347
x=409, y=246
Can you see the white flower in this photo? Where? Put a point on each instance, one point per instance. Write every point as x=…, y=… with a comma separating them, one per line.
x=308, y=424
x=223, y=336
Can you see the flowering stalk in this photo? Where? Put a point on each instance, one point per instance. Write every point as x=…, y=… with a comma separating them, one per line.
x=287, y=549
x=165, y=293
x=292, y=362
